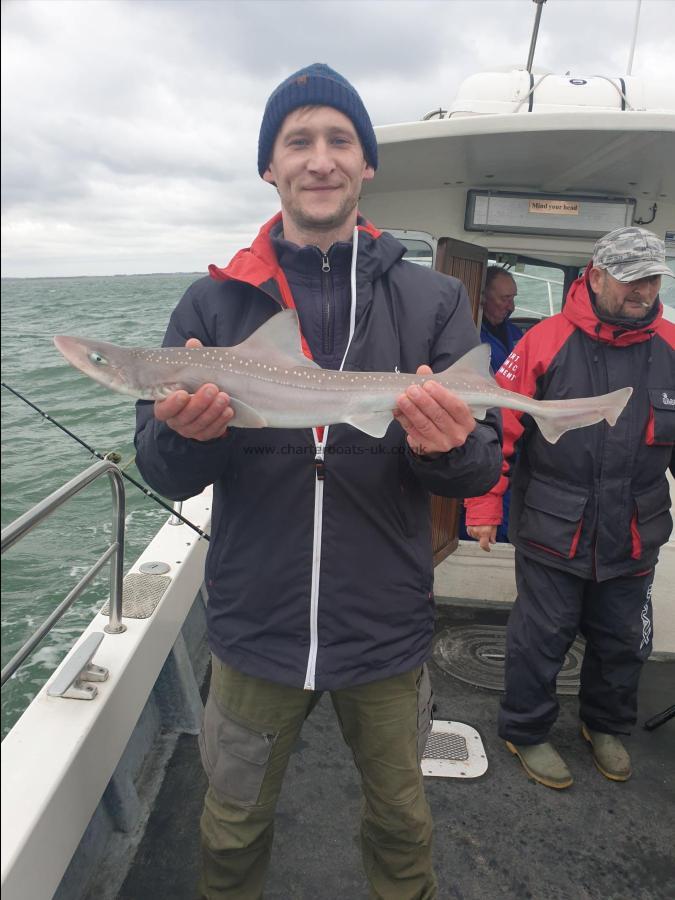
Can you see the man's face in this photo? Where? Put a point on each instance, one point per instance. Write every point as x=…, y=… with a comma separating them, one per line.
x=624, y=299
x=318, y=167
x=499, y=299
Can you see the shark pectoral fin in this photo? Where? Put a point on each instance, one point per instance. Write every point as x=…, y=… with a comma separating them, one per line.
x=245, y=416
x=478, y=412
x=374, y=424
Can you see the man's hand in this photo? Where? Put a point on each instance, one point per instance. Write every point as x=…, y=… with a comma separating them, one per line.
x=202, y=416
x=486, y=534
x=435, y=419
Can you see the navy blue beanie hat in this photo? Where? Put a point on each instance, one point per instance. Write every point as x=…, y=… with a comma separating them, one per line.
x=315, y=85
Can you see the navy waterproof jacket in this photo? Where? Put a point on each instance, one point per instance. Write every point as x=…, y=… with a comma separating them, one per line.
x=596, y=503
x=499, y=351
x=323, y=583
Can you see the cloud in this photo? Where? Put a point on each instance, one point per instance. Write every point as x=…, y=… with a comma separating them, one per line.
x=130, y=127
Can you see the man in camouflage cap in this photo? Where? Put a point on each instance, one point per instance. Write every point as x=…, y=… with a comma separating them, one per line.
x=589, y=513
x=626, y=274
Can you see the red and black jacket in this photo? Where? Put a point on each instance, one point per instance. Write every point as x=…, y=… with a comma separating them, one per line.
x=375, y=608
x=597, y=502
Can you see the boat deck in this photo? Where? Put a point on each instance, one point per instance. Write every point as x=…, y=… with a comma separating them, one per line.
x=498, y=836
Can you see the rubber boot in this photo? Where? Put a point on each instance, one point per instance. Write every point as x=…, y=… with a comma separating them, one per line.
x=543, y=763
x=609, y=754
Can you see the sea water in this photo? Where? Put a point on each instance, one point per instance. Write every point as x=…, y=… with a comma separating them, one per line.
x=38, y=458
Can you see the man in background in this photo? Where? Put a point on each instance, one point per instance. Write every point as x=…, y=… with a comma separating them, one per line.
x=502, y=335
x=496, y=330
x=589, y=513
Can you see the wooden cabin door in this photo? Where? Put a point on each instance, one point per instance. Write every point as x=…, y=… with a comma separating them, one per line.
x=467, y=262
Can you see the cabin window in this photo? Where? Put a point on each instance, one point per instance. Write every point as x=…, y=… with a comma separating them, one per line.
x=418, y=251
x=540, y=290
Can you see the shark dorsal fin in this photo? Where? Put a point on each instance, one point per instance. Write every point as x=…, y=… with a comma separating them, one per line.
x=276, y=342
x=474, y=368
x=475, y=362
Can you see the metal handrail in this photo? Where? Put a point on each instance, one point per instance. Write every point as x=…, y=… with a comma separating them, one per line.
x=25, y=523
x=547, y=281
x=517, y=274
x=536, y=313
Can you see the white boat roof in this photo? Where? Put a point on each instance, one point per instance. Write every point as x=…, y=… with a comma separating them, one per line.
x=622, y=153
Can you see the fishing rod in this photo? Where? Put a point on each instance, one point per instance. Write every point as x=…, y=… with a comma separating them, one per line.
x=110, y=456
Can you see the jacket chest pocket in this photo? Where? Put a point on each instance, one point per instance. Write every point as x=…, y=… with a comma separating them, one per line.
x=552, y=517
x=661, y=424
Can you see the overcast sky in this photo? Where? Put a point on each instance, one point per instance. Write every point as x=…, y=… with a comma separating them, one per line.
x=129, y=127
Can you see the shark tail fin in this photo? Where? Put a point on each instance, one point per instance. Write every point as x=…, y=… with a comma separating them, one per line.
x=585, y=411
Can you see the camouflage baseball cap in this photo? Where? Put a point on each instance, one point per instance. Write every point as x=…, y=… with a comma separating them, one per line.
x=631, y=253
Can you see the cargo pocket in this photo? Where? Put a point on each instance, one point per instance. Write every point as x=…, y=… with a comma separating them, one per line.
x=552, y=516
x=425, y=710
x=234, y=756
x=661, y=424
x=651, y=524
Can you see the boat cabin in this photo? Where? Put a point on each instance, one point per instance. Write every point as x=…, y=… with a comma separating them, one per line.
x=528, y=170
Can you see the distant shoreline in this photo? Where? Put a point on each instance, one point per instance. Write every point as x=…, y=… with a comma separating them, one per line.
x=72, y=277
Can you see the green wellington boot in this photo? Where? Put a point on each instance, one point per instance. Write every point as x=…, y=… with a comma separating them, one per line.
x=543, y=763
x=609, y=754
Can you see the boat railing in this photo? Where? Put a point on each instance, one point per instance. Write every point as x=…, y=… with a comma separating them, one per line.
x=177, y=508
x=115, y=553
x=547, y=281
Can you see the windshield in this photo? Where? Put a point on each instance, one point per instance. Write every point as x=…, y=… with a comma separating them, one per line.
x=540, y=290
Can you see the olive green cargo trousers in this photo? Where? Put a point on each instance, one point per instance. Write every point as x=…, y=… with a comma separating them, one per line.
x=250, y=728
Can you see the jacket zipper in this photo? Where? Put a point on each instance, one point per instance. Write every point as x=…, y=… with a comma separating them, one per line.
x=319, y=469
x=599, y=350
x=325, y=280
x=320, y=474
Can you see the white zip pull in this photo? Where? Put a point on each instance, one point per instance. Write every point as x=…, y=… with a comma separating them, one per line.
x=325, y=263
x=319, y=461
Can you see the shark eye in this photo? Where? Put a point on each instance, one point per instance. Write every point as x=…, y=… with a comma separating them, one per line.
x=97, y=358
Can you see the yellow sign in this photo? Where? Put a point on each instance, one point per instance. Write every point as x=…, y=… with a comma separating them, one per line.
x=555, y=207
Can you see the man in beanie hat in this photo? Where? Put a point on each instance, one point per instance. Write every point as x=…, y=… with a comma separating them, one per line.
x=316, y=85
x=319, y=571
x=589, y=513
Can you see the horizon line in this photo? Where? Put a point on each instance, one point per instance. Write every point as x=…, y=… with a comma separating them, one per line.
x=114, y=275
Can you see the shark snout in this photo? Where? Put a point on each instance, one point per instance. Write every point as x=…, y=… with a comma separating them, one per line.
x=67, y=346
x=84, y=355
